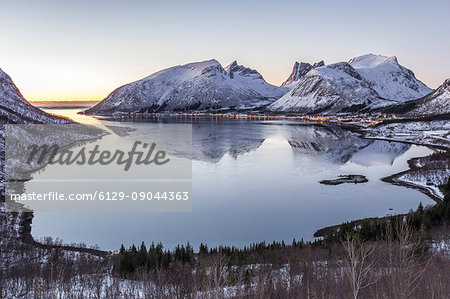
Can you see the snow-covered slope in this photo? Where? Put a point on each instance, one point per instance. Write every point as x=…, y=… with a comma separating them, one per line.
x=15, y=109
x=367, y=82
x=388, y=78
x=330, y=89
x=298, y=71
x=194, y=86
x=436, y=103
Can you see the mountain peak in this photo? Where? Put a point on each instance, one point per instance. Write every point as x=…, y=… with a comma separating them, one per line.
x=298, y=71
x=234, y=68
x=203, y=64
x=444, y=88
x=318, y=64
x=4, y=76
x=371, y=60
x=233, y=64
x=446, y=83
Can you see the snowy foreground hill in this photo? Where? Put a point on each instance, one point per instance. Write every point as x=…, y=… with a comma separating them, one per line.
x=194, y=86
x=364, y=83
x=14, y=109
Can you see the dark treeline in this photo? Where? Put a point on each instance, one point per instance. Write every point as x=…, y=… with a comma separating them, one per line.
x=155, y=258
x=278, y=253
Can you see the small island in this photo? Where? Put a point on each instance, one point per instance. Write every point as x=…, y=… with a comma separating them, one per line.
x=348, y=178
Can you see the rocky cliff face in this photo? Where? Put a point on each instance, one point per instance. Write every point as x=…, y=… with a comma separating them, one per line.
x=299, y=71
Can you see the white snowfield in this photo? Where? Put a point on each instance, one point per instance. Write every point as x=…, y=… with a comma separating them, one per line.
x=365, y=82
x=194, y=86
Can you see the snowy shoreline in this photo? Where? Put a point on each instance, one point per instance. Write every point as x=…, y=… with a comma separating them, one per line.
x=435, y=133
x=425, y=174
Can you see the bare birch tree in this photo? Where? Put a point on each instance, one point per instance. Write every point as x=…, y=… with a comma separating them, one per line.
x=358, y=263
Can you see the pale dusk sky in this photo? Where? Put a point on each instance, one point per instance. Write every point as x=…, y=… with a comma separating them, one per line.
x=82, y=50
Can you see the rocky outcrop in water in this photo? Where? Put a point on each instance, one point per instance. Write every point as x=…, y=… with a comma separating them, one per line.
x=346, y=179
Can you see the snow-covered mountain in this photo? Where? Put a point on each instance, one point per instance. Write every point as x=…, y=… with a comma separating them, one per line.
x=436, y=103
x=298, y=71
x=367, y=82
x=388, y=78
x=15, y=109
x=194, y=86
x=329, y=89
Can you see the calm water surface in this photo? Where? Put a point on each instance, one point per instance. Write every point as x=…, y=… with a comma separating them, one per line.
x=253, y=181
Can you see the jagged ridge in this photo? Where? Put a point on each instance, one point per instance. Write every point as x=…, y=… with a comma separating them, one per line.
x=298, y=71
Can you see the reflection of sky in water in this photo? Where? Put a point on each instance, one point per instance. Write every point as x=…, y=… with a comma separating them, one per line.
x=254, y=182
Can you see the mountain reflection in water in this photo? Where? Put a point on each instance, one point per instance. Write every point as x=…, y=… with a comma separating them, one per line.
x=252, y=181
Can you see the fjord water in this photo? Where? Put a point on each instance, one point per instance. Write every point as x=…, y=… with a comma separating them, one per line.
x=252, y=181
